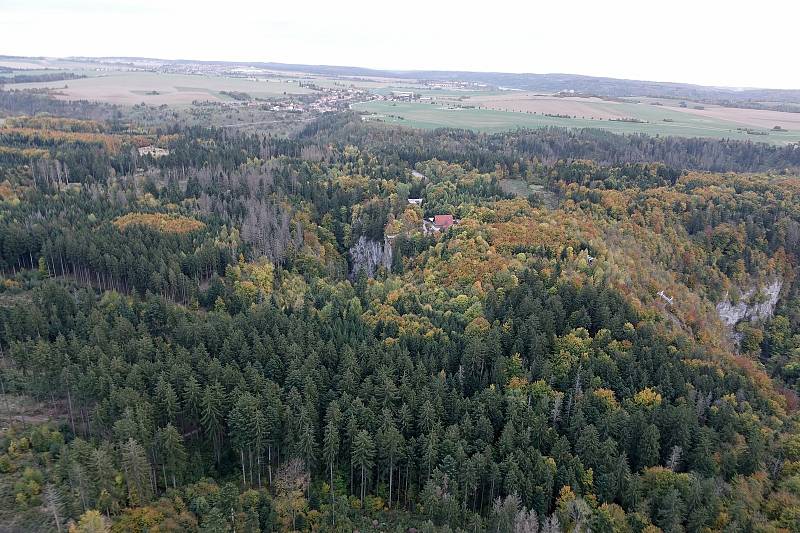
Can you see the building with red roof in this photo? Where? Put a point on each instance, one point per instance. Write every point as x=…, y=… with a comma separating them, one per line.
x=442, y=222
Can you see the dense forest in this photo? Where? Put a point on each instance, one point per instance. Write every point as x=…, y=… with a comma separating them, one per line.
x=259, y=333
x=548, y=145
x=43, y=77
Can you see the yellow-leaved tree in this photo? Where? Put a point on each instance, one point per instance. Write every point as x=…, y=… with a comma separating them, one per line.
x=90, y=522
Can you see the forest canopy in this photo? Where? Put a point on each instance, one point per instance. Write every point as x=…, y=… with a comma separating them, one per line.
x=365, y=327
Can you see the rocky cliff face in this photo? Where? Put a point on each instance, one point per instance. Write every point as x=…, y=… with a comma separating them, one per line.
x=369, y=255
x=749, y=307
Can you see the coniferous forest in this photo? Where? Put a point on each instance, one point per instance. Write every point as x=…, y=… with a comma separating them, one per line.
x=247, y=332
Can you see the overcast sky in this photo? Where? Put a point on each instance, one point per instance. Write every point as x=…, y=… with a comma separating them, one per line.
x=734, y=43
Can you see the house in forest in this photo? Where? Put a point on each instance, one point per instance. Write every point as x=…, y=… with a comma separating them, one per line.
x=153, y=151
x=438, y=223
x=442, y=222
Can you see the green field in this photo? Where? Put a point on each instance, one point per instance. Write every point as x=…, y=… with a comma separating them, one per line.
x=429, y=116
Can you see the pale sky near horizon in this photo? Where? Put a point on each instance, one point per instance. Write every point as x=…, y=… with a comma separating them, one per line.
x=733, y=43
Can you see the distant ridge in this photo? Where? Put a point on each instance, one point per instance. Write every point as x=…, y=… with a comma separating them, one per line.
x=550, y=83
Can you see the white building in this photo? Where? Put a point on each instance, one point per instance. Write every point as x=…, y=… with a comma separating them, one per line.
x=154, y=151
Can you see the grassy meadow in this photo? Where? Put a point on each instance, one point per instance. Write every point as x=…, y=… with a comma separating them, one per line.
x=429, y=116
